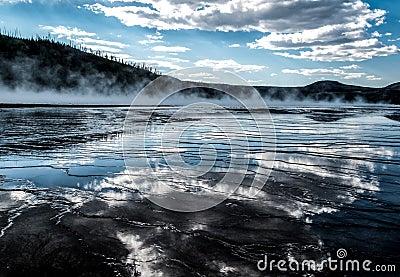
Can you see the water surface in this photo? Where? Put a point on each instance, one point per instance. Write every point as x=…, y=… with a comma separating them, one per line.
x=66, y=197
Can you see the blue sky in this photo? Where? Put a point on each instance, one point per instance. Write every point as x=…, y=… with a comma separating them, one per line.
x=267, y=42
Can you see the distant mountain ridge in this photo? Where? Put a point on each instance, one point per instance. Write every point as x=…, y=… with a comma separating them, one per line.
x=395, y=86
x=46, y=65
x=334, y=91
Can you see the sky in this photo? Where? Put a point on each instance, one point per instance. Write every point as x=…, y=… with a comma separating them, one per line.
x=266, y=42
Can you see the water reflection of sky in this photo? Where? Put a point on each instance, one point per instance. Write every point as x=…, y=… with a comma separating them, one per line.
x=319, y=166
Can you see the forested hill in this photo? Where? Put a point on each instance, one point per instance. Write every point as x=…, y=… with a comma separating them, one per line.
x=39, y=64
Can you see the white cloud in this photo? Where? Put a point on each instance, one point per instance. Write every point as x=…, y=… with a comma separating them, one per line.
x=325, y=35
x=346, y=39
x=235, y=45
x=373, y=78
x=376, y=34
x=326, y=45
x=152, y=39
x=201, y=77
x=352, y=66
x=67, y=32
x=163, y=63
x=138, y=15
x=238, y=15
x=353, y=51
x=321, y=72
x=14, y=1
x=172, y=49
x=173, y=59
x=178, y=60
x=86, y=40
x=229, y=65
x=255, y=81
x=273, y=74
x=315, y=27
x=357, y=75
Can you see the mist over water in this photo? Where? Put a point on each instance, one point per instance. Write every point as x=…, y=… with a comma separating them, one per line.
x=24, y=96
